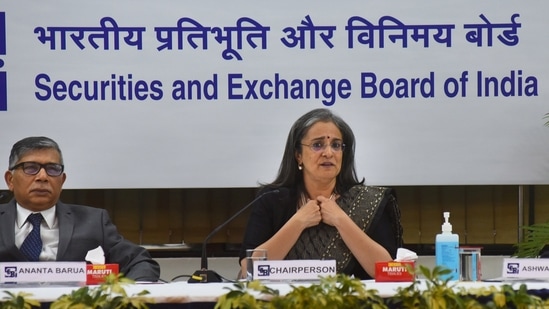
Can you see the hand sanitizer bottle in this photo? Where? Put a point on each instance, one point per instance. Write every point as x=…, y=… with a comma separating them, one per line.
x=447, y=249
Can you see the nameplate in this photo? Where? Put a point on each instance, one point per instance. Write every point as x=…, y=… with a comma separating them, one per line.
x=394, y=271
x=28, y=272
x=523, y=268
x=97, y=273
x=293, y=269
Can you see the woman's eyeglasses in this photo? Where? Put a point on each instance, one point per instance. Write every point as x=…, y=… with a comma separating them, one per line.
x=33, y=168
x=319, y=146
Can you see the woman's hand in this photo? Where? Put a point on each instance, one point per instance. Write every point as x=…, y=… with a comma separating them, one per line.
x=285, y=238
x=309, y=214
x=330, y=211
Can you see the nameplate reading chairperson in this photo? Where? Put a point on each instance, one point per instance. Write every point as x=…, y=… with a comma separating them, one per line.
x=294, y=269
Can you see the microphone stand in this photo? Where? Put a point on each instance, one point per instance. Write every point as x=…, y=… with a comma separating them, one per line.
x=204, y=275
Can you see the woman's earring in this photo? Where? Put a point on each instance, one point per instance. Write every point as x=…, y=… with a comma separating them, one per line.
x=300, y=166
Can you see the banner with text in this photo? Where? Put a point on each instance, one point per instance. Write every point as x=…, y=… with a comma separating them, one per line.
x=169, y=93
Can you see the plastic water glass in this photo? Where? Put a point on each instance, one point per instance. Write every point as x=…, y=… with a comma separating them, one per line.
x=251, y=256
x=469, y=264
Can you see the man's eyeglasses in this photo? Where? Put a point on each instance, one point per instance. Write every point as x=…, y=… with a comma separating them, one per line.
x=320, y=146
x=33, y=168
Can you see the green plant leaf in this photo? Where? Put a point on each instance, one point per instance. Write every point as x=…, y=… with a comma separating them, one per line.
x=108, y=295
x=535, y=238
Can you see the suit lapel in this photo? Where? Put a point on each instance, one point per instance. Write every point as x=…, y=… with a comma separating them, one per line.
x=66, y=225
x=8, y=214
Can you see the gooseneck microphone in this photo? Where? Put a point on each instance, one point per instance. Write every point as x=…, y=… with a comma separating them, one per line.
x=2, y=196
x=204, y=275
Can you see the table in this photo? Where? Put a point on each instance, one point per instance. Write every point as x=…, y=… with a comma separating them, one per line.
x=204, y=295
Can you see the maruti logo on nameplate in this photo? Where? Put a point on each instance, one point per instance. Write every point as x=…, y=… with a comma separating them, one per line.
x=293, y=269
x=26, y=272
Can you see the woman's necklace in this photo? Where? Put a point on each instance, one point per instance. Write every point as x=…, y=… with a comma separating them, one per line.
x=304, y=199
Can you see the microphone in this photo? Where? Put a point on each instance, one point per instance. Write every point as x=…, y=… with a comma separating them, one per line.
x=2, y=195
x=204, y=275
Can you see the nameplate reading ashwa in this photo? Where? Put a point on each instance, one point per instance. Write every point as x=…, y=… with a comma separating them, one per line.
x=293, y=269
x=26, y=272
x=523, y=268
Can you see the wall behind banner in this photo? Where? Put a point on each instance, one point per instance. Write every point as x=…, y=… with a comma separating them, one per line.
x=446, y=94
x=482, y=215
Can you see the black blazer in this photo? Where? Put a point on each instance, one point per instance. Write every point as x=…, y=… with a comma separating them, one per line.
x=81, y=229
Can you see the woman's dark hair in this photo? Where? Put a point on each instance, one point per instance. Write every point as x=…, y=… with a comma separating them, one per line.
x=290, y=176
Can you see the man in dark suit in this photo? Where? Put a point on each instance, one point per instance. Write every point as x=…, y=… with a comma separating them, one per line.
x=67, y=232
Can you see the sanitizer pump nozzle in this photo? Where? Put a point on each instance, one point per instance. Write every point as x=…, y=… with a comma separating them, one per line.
x=446, y=226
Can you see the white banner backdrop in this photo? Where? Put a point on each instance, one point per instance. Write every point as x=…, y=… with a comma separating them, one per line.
x=171, y=93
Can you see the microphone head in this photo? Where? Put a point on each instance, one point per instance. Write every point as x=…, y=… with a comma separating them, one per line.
x=283, y=191
x=3, y=195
